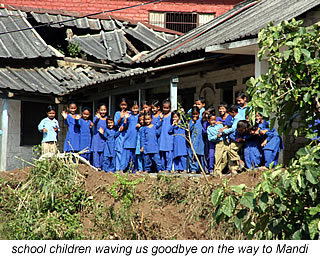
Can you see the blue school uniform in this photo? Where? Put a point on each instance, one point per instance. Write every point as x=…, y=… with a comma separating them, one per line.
x=242, y=111
x=166, y=144
x=263, y=125
x=198, y=145
x=130, y=143
x=149, y=142
x=72, y=141
x=180, y=149
x=213, y=138
x=273, y=147
x=85, y=137
x=208, y=148
x=252, y=151
x=155, y=120
x=139, y=155
x=108, y=163
x=119, y=140
x=98, y=142
x=51, y=135
x=226, y=122
x=231, y=131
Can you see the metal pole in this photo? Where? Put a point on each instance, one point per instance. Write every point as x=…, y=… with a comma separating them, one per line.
x=4, y=136
x=174, y=92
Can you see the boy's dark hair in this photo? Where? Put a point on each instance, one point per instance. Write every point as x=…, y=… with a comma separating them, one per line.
x=195, y=109
x=241, y=94
x=51, y=108
x=211, y=115
x=166, y=101
x=148, y=114
x=211, y=110
x=155, y=103
x=243, y=124
x=223, y=104
x=253, y=128
x=86, y=108
x=201, y=99
x=233, y=108
x=110, y=118
x=71, y=102
x=141, y=115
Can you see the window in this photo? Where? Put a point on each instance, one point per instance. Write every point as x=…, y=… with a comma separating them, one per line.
x=179, y=21
x=227, y=91
x=31, y=115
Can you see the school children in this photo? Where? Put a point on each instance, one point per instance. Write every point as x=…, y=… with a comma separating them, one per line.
x=149, y=144
x=218, y=141
x=130, y=138
x=98, y=140
x=166, y=140
x=146, y=107
x=180, y=150
x=72, y=141
x=49, y=126
x=139, y=154
x=85, y=126
x=224, y=117
x=110, y=134
x=119, y=122
x=195, y=127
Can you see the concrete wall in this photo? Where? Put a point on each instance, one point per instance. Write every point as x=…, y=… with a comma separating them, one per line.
x=139, y=13
x=14, y=148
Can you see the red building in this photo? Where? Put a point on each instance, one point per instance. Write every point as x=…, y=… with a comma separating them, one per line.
x=179, y=15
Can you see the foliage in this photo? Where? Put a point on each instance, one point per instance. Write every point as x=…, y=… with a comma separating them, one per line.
x=285, y=205
x=291, y=86
x=74, y=50
x=49, y=204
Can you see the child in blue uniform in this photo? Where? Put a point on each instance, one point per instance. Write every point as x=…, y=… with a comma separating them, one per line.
x=224, y=117
x=241, y=100
x=156, y=111
x=110, y=135
x=271, y=146
x=149, y=144
x=180, y=150
x=130, y=138
x=252, y=148
x=146, y=107
x=201, y=104
x=72, y=141
x=195, y=127
x=49, y=126
x=98, y=140
x=208, y=147
x=218, y=142
x=85, y=132
x=262, y=124
x=166, y=140
x=139, y=154
x=119, y=123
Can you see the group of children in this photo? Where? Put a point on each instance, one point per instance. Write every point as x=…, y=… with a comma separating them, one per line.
x=154, y=139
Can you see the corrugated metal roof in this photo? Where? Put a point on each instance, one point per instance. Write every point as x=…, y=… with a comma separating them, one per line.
x=105, y=46
x=244, y=20
x=57, y=81
x=21, y=44
x=146, y=35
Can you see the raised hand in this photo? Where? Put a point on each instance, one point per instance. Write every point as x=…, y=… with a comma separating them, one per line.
x=101, y=131
x=78, y=117
x=64, y=114
x=98, y=115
